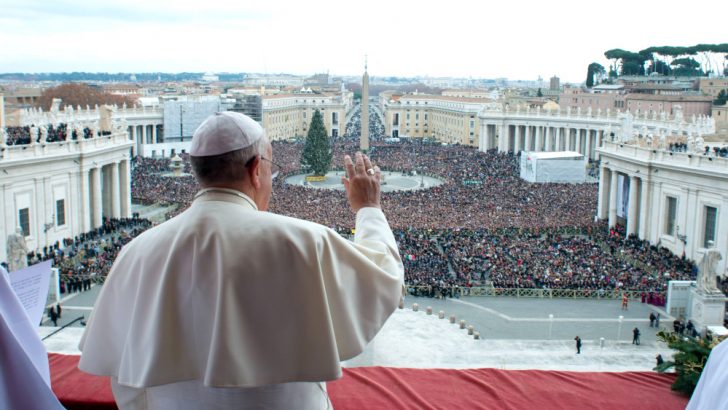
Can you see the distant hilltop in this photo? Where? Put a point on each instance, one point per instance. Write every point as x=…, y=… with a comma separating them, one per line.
x=117, y=77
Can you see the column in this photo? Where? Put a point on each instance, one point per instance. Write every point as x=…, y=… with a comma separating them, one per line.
x=488, y=137
x=587, y=148
x=518, y=147
x=508, y=145
x=549, y=139
x=559, y=138
x=644, y=197
x=132, y=136
x=613, y=198
x=482, y=136
x=577, y=142
x=85, y=208
x=632, y=206
x=603, y=199
x=529, y=138
x=539, y=141
x=125, y=191
x=96, y=195
x=115, y=206
x=144, y=134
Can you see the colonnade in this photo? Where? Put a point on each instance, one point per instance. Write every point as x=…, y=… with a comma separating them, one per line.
x=105, y=192
x=527, y=137
x=638, y=191
x=148, y=133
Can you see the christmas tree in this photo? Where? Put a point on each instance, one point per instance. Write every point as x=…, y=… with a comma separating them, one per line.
x=317, y=153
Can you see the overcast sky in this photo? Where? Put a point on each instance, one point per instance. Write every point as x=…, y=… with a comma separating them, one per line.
x=512, y=38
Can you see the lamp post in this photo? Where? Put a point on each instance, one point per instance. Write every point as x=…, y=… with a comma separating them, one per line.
x=181, y=136
x=551, y=324
x=619, y=331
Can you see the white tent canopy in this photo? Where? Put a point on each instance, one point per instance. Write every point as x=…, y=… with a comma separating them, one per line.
x=554, y=167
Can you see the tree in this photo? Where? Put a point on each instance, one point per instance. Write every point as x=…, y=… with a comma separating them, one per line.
x=539, y=93
x=631, y=63
x=317, y=152
x=722, y=98
x=689, y=359
x=594, y=69
x=686, y=66
x=81, y=95
x=660, y=67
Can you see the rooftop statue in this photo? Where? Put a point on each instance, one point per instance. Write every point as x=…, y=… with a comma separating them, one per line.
x=706, y=281
x=17, y=251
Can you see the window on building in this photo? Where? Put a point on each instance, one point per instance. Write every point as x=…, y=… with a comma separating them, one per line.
x=24, y=221
x=60, y=212
x=711, y=214
x=671, y=214
x=408, y=117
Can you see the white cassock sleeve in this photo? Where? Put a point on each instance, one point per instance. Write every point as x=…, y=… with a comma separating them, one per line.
x=712, y=389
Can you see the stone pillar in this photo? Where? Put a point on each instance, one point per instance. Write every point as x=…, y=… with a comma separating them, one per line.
x=559, y=138
x=539, y=141
x=144, y=134
x=587, y=148
x=85, y=208
x=632, y=209
x=518, y=147
x=603, y=200
x=115, y=205
x=499, y=134
x=577, y=146
x=613, y=199
x=489, y=133
x=644, y=194
x=96, y=195
x=508, y=145
x=125, y=188
x=529, y=138
x=482, y=136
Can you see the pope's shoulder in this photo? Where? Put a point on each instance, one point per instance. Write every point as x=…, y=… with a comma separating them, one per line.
x=225, y=219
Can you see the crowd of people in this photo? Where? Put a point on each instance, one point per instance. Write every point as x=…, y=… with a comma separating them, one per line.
x=501, y=231
x=48, y=133
x=87, y=258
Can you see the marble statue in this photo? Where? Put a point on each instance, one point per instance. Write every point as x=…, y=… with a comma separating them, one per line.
x=649, y=140
x=33, y=135
x=706, y=281
x=3, y=137
x=17, y=251
x=43, y=134
x=79, y=131
x=691, y=143
x=699, y=144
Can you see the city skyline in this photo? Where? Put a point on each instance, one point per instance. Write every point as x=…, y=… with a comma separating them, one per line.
x=518, y=40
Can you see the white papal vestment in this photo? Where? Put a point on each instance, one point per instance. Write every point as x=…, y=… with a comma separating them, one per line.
x=226, y=296
x=712, y=389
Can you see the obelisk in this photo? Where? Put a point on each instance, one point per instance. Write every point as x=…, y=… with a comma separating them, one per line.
x=364, y=138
